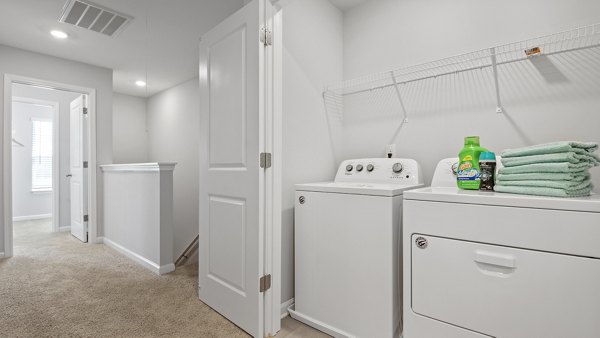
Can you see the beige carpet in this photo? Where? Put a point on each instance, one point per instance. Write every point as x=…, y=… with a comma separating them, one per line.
x=56, y=286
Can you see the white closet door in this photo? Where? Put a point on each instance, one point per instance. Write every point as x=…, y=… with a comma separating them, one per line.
x=231, y=182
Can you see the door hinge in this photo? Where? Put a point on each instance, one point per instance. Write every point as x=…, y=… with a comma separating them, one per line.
x=85, y=110
x=265, y=160
x=85, y=164
x=265, y=283
x=266, y=36
x=85, y=218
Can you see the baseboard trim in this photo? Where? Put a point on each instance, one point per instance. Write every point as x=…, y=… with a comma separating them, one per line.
x=31, y=217
x=285, y=306
x=164, y=269
x=330, y=330
x=1, y=254
x=157, y=269
x=99, y=240
x=66, y=228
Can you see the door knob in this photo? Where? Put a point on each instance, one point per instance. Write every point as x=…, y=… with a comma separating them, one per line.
x=69, y=175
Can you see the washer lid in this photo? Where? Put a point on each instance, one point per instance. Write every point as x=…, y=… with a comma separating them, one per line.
x=372, y=189
x=455, y=195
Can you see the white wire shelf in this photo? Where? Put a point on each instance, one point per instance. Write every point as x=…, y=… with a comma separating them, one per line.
x=490, y=58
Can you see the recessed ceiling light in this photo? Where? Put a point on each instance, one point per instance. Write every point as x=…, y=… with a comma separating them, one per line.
x=140, y=83
x=59, y=34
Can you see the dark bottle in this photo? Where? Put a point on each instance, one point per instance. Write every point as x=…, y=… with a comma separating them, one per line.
x=487, y=165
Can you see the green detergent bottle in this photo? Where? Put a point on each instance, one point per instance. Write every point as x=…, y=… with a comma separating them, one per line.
x=468, y=176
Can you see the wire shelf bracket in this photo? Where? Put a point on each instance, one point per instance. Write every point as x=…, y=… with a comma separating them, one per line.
x=499, y=108
x=397, y=90
x=16, y=143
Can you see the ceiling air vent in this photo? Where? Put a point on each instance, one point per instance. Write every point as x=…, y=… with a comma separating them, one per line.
x=94, y=17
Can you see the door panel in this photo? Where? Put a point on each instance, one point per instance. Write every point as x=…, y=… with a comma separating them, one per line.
x=227, y=101
x=227, y=225
x=78, y=178
x=231, y=184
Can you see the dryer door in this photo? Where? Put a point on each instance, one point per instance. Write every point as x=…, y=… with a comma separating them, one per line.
x=505, y=292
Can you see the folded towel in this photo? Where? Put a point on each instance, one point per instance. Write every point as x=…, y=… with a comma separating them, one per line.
x=572, y=176
x=565, y=185
x=539, y=191
x=570, y=157
x=551, y=148
x=562, y=167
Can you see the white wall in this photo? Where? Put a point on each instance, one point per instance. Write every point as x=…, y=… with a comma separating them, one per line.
x=130, y=134
x=387, y=34
x=25, y=202
x=173, y=136
x=20, y=62
x=138, y=204
x=64, y=100
x=312, y=56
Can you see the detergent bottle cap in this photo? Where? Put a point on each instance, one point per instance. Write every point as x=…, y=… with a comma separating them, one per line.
x=487, y=156
x=472, y=141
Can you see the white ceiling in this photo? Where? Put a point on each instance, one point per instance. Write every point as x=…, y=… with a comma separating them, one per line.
x=345, y=5
x=169, y=47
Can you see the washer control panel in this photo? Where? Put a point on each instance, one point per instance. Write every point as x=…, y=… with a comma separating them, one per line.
x=380, y=170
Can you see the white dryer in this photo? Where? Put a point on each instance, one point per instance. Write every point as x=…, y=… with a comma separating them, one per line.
x=348, y=248
x=485, y=264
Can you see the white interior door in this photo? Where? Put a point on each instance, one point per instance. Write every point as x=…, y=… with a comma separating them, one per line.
x=78, y=171
x=231, y=180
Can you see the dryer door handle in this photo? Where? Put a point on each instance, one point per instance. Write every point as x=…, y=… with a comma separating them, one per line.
x=496, y=259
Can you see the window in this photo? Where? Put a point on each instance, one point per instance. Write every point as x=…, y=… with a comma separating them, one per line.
x=41, y=155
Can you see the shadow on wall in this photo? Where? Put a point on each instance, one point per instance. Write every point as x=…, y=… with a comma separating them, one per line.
x=287, y=237
x=544, y=65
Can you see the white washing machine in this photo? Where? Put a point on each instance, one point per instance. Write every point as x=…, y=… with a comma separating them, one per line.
x=348, y=248
x=485, y=264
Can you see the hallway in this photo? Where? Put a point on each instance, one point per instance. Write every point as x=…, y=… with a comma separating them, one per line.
x=57, y=286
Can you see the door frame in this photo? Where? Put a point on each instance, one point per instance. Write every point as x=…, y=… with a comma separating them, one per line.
x=9, y=79
x=274, y=144
x=55, y=153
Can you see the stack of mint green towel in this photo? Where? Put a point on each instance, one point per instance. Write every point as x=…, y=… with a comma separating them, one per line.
x=558, y=169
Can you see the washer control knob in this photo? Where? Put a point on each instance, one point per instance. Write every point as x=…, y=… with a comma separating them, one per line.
x=359, y=167
x=349, y=167
x=370, y=167
x=397, y=168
